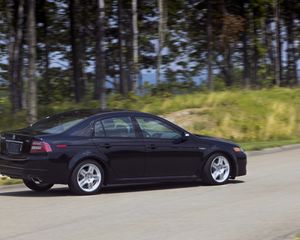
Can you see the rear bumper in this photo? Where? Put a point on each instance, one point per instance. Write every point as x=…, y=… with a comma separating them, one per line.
x=28, y=168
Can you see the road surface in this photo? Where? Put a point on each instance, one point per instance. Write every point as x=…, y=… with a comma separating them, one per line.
x=262, y=205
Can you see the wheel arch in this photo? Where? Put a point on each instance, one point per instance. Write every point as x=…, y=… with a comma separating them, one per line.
x=231, y=158
x=82, y=157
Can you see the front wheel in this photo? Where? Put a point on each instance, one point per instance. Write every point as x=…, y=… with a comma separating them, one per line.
x=37, y=185
x=86, y=178
x=216, y=170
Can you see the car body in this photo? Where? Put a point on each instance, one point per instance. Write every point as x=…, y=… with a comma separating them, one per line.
x=114, y=147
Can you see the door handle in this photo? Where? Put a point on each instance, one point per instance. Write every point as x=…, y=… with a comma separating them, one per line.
x=151, y=146
x=106, y=145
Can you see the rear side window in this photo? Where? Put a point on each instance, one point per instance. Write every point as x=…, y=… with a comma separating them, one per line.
x=99, y=130
x=58, y=123
x=85, y=131
x=121, y=127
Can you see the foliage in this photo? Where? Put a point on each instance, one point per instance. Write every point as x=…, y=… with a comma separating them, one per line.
x=248, y=115
x=9, y=181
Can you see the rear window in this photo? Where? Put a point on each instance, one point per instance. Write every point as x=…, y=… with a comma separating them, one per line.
x=58, y=123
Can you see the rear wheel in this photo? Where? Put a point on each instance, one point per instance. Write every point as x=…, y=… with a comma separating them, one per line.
x=217, y=169
x=86, y=178
x=37, y=185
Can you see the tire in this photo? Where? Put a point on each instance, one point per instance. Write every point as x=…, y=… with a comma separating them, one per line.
x=86, y=178
x=37, y=186
x=217, y=169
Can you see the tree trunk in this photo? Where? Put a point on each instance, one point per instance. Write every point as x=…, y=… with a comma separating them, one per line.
x=277, y=56
x=122, y=48
x=161, y=37
x=31, y=38
x=128, y=53
x=11, y=43
x=209, y=47
x=100, y=56
x=22, y=98
x=255, y=55
x=46, y=76
x=246, y=68
x=83, y=25
x=227, y=61
x=76, y=51
x=269, y=46
x=14, y=51
x=135, y=47
x=291, y=78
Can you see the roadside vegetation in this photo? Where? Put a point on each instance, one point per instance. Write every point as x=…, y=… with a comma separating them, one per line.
x=8, y=181
x=255, y=118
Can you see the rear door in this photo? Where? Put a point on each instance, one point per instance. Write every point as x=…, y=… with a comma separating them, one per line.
x=117, y=138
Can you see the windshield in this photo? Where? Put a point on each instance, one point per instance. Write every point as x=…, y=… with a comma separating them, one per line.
x=58, y=123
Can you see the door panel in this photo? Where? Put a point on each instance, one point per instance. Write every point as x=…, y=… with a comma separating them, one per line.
x=126, y=157
x=116, y=138
x=166, y=158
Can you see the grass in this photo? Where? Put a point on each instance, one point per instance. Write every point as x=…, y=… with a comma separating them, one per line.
x=268, y=115
x=9, y=181
x=251, y=146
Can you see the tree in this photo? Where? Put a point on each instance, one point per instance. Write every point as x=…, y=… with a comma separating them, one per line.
x=15, y=25
x=292, y=78
x=162, y=22
x=32, y=84
x=277, y=56
x=209, y=47
x=245, y=42
x=122, y=48
x=77, y=65
x=135, y=48
x=100, y=55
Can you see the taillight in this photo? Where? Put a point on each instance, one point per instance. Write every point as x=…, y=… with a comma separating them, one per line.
x=40, y=147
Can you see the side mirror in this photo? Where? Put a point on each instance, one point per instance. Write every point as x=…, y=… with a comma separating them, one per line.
x=184, y=137
x=186, y=134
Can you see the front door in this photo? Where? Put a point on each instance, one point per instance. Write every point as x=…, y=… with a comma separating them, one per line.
x=166, y=156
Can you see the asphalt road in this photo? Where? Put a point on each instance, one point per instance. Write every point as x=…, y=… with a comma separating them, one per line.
x=263, y=205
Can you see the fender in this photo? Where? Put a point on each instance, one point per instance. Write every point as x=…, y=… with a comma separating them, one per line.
x=100, y=157
x=209, y=151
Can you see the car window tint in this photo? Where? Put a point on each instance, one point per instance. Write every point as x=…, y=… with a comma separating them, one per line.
x=153, y=128
x=85, y=131
x=99, y=131
x=118, y=127
x=58, y=123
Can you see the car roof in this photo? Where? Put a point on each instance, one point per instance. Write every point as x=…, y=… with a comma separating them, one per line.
x=95, y=112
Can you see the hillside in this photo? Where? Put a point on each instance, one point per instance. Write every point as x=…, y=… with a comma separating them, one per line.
x=245, y=116
x=271, y=116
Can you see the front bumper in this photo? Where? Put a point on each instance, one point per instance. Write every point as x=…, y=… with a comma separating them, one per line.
x=241, y=164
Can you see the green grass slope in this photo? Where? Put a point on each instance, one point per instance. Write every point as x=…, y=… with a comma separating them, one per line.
x=257, y=118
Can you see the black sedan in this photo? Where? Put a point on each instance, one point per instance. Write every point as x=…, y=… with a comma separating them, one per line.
x=88, y=149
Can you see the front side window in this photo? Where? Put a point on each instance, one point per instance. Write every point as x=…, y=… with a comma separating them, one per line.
x=115, y=127
x=153, y=128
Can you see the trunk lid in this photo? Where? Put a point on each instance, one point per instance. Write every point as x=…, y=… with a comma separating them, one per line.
x=18, y=143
